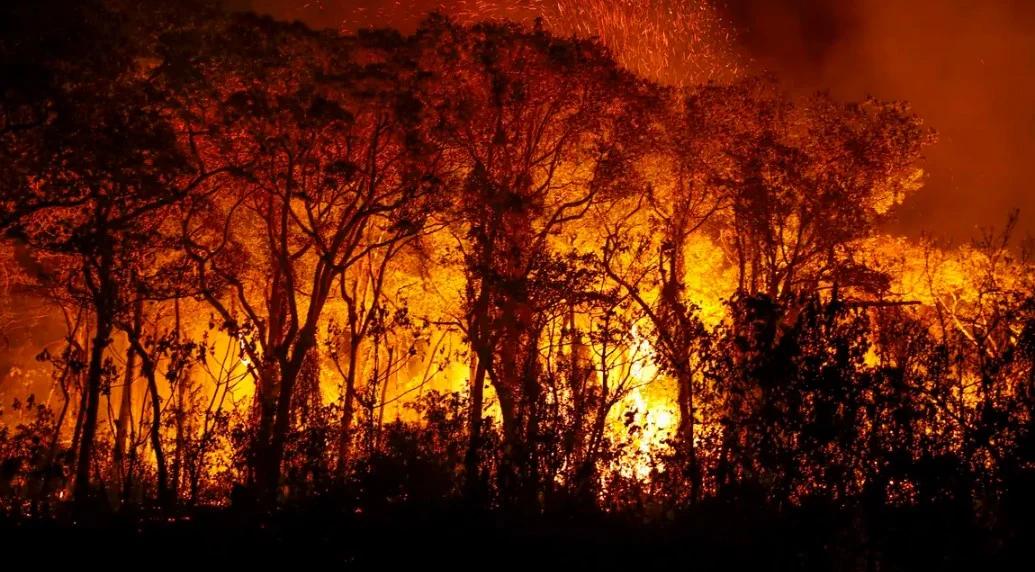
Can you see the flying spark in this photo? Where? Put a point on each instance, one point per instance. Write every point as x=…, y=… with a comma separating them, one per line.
x=677, y=42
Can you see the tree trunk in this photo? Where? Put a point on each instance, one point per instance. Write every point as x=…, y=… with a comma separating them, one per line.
x=348, y=407
x=281, y=425
x=472, y=459
x=480, y=360
x=177, y=468
x=156, y=435
x=94, y=380
x=282, y=421
x=47, y=462
x=686, y=430
x=77, y=434
x=390, y=375
x=182, y=383
x=264, y=432
x=125, y=413
x=149, y=369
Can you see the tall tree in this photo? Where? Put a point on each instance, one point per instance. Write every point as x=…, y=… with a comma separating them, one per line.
x=807, y=180
x=540, y=126
x=334, y=171
x=113, y=167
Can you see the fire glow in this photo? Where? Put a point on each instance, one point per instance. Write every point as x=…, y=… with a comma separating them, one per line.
x=540, y=266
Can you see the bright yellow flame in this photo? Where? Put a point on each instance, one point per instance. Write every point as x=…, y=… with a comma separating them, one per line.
x=645, y=418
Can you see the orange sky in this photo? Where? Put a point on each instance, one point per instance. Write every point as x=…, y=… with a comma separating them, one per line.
x=965, y=65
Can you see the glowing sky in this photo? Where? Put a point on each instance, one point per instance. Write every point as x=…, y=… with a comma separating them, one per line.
x=965, y=65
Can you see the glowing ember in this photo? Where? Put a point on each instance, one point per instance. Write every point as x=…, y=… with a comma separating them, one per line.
x=682, y=42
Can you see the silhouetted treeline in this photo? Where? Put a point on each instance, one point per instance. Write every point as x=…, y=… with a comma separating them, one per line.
x=400, y=274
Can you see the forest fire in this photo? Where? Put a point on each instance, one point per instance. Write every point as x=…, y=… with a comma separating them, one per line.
x=684, y=42
x=540, y=260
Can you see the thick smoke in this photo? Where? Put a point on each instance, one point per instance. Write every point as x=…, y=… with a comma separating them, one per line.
x=965, y=65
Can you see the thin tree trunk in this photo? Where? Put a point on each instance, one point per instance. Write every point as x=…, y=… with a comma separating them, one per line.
x=125, y=414
x=156, y=432
x=472, y=459
x=55, y=439
x=390, y=375
x=686, y=430
x=149, y=369
x=182, y=383
x=104, y=296
x=348, y=406
x=177, y=467
x=94, y=379
x=77, y=434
